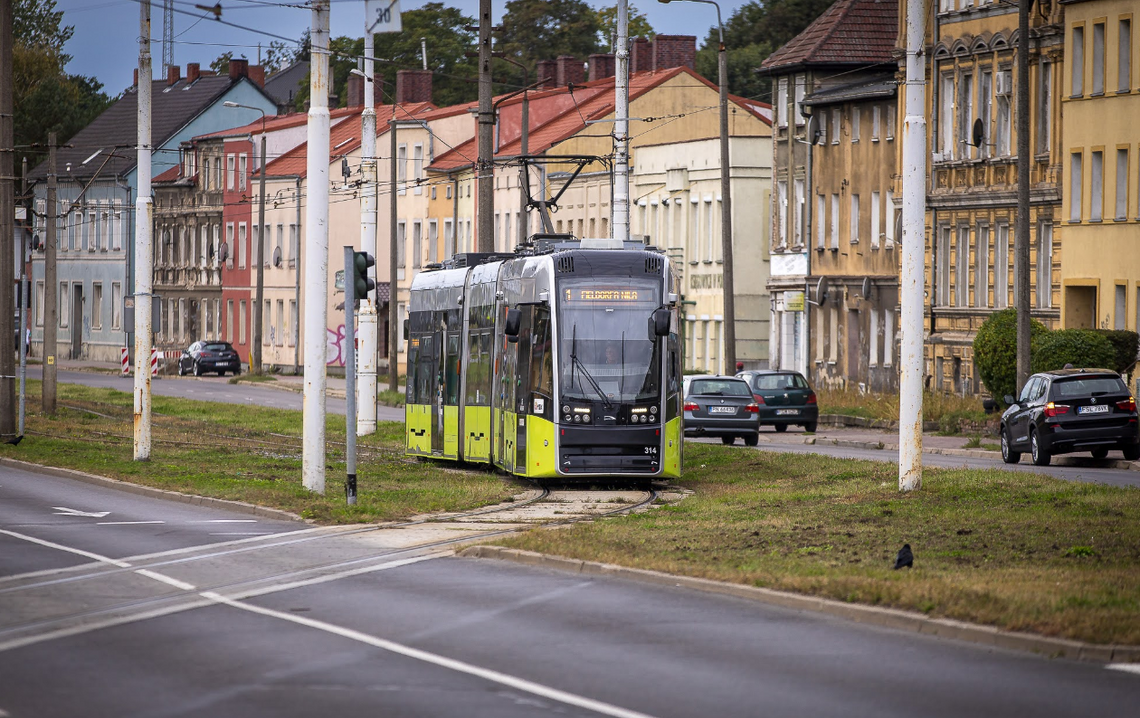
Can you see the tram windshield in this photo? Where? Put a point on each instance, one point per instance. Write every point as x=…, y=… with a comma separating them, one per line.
x=606, y=349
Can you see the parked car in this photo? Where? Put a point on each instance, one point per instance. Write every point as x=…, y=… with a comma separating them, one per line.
x=1069, y=410
x=784, y=397
x=720, y=406
x=202, y=357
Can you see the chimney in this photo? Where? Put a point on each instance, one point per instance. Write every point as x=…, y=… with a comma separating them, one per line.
x=601, y=66
x=192, y=71
x=355, y=91
x=257, y=74
x=173, y=74
x=239, y=68
x=546, y=70
x=641, y=56
x=413, y=86
x=568, y=71
x=671, y=51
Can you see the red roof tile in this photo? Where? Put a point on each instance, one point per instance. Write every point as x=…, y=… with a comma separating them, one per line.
x=850, y=32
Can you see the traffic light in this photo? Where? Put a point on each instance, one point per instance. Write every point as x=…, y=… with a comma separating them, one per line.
x=361, y=282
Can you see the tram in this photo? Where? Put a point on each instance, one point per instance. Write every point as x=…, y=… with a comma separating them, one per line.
x=560, y=362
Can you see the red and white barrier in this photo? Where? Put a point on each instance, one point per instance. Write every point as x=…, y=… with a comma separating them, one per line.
x=125, y=355
x=154, y=355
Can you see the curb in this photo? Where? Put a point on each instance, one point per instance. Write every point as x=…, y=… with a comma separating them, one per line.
x=149, y=491
x=871, y=615
x=1078, y=461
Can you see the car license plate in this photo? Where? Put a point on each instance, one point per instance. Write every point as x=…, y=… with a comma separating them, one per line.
x=787, y=412
x=722, y=409
x=1094, y=409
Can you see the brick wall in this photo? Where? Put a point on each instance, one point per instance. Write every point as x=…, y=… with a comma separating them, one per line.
x=674, y=51
x=413, y=86
x=569, y=71
x=601, y=66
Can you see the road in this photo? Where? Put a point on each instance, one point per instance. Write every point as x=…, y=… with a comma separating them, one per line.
x=210, y=613
x=209, y=389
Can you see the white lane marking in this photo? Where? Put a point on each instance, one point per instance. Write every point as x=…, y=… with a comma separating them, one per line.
x=166, y=579
x=222, y=545
x=224, y=521
x=60, y=547
x=1126, y=667
x=239, y=533
x=276, y=588
x=64, y=511
x=126, y=523
x=486, y=674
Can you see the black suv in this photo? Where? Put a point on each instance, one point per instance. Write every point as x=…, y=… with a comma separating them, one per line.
x=1060, y=412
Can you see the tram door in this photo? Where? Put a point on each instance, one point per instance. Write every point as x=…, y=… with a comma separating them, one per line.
x=439, y=363
x=522, y=385
x=505, y=379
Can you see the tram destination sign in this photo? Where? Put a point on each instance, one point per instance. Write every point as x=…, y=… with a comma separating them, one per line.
x=602, y=294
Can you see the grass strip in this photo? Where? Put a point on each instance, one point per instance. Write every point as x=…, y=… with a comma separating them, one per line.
x=1015, y=550
x=246, y=453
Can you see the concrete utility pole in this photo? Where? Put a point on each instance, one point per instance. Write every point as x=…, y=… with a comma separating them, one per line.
x=366, y=422
x=393, y=251
x=1021, y=241
x=25, y=299
x=485, y=163
x=7, y=226
x=51, y=295
x=144, y=259
x=316, y=255
x=621, y=126
x=913, y=248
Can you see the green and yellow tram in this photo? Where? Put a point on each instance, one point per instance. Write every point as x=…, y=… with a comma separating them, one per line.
x=560, y=362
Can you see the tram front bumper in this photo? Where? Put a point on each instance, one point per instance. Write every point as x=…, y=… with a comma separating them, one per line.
x=609, y=450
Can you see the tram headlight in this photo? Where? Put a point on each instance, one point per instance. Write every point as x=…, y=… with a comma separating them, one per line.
x=567, y=418
x=586, y=418
x=653, y=410
x=566, y=409
x=577, y=418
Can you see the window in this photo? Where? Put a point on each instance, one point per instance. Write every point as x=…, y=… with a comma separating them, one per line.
x=985, y=110
x=821, y=127
x=1121, y=307
x=294, y=247
x=70, y=243
x=801, y=82
x=943, y=258
x=873, y=343
x=267, y=328
x=243, y=169
x=856, y=114
x=1044, y=265
x=854, y=219
x=962, y=268
x=888, y=337
x=448, y=238
x=85, y=234
x=402, y=168
x=417, y=245
x=241, y=322
x=782, y=210
x=401, y=248
x=243, y=245
x=875, y=120
x=966, y=116
x=982, y=266
x=418, y=167
x=875, y=219
x=116, y=305
x=433, y=240
x=1098, y=59
x=890, y=220
x=946, y=117
x=206, y=174
x=890, y=124
x=835, y=221
x=292, y=322
x=39, y=303
x=1077, y=61
x=280, y=246
x=229, y=172
x=230, y=244
x=96, y=229
x=1121, y=184
x=782, y=102
x=1004, y=128
x=230, y=321
x=833, y=350
x=63, y=305
x=1001, y=267
x=1124, y=60
x=1045, y=108
x=1075, y=177
x=820, y=220
x=1096, y=187
x=835, y=126
x=96, y=305
x=799, y=210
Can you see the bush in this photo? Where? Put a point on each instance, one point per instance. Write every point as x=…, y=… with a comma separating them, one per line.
x=995, y=351
x=1125, y=345
x=1083, y=348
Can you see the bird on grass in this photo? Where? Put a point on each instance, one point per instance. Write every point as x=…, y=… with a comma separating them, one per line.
x=15, y=440
x=905, y=557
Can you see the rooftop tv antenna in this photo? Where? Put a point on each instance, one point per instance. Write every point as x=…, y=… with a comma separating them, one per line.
x=167, y=37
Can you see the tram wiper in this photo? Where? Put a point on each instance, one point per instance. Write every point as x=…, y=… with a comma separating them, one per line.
x=575, y=361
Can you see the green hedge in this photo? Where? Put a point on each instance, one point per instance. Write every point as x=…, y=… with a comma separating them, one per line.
x=1083, y=348
x=995, y=351
x=1125, y=345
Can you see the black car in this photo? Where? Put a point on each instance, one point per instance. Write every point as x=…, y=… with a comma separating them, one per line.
x=202, y=357
x=784, y=397
x=721, y=406
x=1069, y=410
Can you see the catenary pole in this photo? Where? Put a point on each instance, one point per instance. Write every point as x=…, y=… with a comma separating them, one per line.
x=393, y=308
x=621, y=126
x=25, y=302
x=316, y=255
x=366, y=422
x=7, y=224
x=913, y=247
x=51, y=297
x=1021, y=241
x=144, y=261
x=485, y=162
x=350, y=375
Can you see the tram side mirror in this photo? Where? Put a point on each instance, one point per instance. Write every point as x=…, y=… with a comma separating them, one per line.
x=660, y=322
x=511, y=328
x=405, y=327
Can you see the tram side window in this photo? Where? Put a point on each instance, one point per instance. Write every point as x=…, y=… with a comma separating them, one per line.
x=451, y=375
x=479, y=369
x=425, y=376
x=542, y=355
x=413, y=366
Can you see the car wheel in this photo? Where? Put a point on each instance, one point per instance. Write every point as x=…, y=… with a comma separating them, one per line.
x=1041, y=457
x=752, y=439
x=197, y=369
x=1008, y=455
x=727, y=440
x=781, y=428
x=810, y=428
x=1099, y=453
x=1131, y=453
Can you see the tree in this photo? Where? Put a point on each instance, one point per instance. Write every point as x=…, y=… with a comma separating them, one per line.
x=536, y=30
x=638, y=25
x=995, y=351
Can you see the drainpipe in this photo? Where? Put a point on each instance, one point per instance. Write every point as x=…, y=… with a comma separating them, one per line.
x=297, y=291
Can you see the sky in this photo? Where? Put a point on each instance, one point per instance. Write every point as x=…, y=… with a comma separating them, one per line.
x=105, y=43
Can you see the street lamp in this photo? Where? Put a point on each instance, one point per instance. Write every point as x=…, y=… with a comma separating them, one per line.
x=255, y=350
x=726, y=199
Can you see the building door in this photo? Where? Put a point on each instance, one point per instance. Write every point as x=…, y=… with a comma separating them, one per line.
x=853, y=346
x=1080, y=307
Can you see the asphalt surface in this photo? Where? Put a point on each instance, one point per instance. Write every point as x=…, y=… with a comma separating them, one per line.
x=236, y=625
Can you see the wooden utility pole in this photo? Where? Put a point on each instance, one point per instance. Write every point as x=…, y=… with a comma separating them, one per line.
x=1021, y=241
x=51, y=293
x=485, y=162
x=7, y=228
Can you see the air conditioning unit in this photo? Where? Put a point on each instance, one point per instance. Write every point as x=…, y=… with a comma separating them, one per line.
x=1004, y=82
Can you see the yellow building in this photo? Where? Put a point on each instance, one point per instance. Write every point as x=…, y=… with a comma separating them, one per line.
x=1100, y=274
x=972, y=196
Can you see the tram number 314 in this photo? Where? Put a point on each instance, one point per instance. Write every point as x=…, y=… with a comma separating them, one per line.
x=651, y=450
